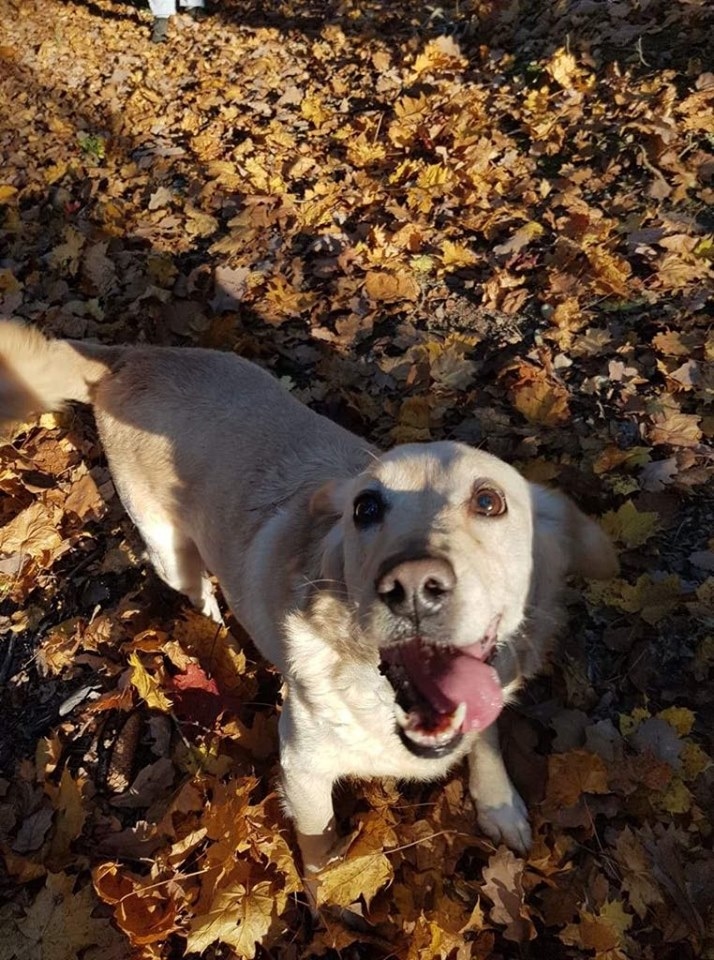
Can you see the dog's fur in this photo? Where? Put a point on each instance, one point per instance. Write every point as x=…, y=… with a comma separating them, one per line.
x=223, y=471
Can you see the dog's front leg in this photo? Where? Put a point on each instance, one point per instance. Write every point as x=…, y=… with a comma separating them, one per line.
x=307, y=793
x=502, y=814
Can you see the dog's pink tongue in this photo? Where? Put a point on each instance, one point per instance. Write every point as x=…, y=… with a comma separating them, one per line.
x=448, y=678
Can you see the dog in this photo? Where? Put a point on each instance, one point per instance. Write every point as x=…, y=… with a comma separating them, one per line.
x=405, y=596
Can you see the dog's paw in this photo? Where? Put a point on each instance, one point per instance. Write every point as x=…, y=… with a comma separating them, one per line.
x=507, y=823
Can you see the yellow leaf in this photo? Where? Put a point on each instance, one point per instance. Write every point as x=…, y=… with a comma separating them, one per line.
x=7, y=192
x=540, y=399
x=362, y=152
x=629, y=722
x=357, y=877
x=433, y=175
x=563, y=68
x=627, y=525
x=414, y=422
x=147, y=687
x=676, y=798
x=679, y=718
x=440, y=54
x=652, y=599
x=455, y=255
x=240, y=914
x=313, y=109
x=694, y=760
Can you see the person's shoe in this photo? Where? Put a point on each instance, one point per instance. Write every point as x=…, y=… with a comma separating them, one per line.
x=160, y=30
x=197, y=13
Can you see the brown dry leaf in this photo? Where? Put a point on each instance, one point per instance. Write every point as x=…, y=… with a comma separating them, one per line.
x=504, y=888
x=143, y=910
x=454, y=256
x=32, y=533
x=538, y=398
x=60, y=648
x=85, y=500
x=361, y=876
x=603, y=932
x=240, y=914
x=573, y=774
x=70, y=818
x=383, y=287
x=676, y=429
x=637, y=880
x=59, y=924
x=414, y=421
x=522, y=237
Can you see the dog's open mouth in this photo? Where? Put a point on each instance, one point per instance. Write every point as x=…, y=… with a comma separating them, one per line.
x=441, y=693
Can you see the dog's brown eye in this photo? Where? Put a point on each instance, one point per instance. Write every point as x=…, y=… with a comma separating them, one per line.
x=488, y=502
x=368, y=509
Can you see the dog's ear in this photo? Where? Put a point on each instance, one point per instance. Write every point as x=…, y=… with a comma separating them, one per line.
x=565, y=537
x=329, y=500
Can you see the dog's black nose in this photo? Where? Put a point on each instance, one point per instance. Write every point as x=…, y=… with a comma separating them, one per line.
x=417, y=587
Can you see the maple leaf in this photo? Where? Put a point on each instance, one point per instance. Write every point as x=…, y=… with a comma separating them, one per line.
x=71, y=816
x=522, y=237
x=360, y=876
x=630, y=526
x=240, y=914
x=32, y=533
x=147, y=686
x=59, y=924
x=455, y=255
x=637, y=881
x=603, y=932
x=572, y=774
x=391, y=287
x=538, y=398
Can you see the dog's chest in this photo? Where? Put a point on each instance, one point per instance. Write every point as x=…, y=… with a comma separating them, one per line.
x=350, y=715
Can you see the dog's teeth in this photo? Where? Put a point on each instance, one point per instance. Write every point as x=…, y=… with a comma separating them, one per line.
x=402, y=718
x=430, y=739
x=459, y=717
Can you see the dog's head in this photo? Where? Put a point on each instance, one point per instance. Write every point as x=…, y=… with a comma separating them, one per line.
x=437, y=546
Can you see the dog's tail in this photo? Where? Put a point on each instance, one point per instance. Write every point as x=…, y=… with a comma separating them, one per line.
x=38, y=374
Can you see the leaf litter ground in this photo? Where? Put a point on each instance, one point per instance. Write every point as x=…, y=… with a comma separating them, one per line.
x=487, y=221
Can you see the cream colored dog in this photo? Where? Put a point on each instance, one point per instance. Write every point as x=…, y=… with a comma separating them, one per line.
x=403, y=595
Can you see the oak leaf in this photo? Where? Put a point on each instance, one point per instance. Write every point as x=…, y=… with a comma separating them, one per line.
x=504, y=888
